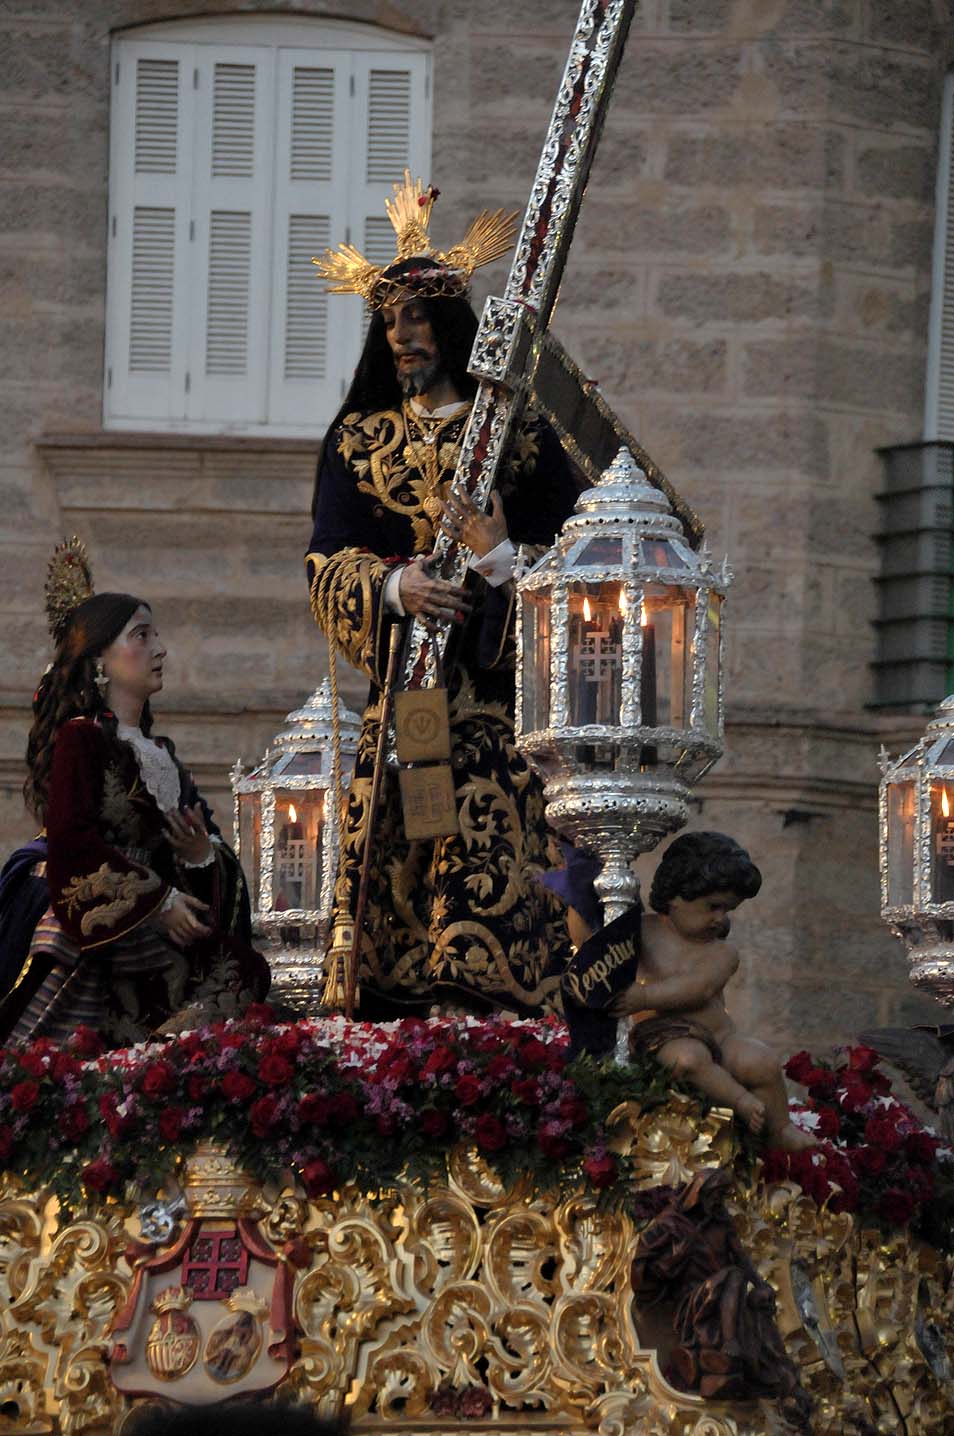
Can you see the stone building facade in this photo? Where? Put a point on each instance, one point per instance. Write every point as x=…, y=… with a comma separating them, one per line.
x=749, y=284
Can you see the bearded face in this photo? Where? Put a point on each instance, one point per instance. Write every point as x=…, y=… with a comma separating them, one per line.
x=413, y=346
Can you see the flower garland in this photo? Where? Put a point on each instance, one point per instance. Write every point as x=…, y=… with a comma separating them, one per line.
x=332, y=1101
x=873, y=1155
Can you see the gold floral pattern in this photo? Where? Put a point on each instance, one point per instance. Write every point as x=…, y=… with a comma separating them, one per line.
x=122, y=891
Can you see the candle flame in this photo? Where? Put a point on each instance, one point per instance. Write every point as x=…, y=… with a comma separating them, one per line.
x=587, y=611
x=623, y=605
x=644, y=616
x=292, y=812
x=945, y=805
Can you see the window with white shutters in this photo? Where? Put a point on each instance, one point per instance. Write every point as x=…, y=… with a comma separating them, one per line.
x=939, y=391
x=240, y=148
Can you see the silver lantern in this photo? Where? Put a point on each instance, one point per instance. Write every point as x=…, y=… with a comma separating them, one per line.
x=916, y=809
x=286, y=829
x=619, y=689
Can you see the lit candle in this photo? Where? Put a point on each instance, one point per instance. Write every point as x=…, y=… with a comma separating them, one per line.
x=586, y=665
x=647, y=677
x=943, y=851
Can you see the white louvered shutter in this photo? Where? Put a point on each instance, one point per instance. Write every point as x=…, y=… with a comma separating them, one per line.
x=148, y=262
x=939, y=403
x=231, y=244
x=310, y=214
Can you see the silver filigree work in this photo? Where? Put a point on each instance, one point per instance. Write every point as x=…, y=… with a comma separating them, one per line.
x=616, y=783
x=916, y=842
x=298, y=765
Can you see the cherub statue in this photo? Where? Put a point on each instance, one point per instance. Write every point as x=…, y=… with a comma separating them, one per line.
x=677, y=1000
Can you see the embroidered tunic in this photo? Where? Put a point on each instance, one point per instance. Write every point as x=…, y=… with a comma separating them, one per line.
x=97, y=956
x=461, y=916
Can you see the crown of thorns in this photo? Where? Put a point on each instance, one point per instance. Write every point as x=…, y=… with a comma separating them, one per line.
x=438, y=273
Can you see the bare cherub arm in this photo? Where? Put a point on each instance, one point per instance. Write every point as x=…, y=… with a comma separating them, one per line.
x=686, y=992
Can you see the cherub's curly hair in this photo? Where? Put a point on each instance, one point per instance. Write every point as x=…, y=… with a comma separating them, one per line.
x=68, y=690
x=701, y=863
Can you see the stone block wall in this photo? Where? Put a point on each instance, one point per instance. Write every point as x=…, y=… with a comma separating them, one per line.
x=749, y=284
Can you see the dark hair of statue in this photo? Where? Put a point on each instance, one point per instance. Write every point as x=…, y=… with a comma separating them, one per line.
x=697, y=864
x=375, y=385
x=68, y=690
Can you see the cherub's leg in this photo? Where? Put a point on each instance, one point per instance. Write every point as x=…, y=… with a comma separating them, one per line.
x=686, y=1057
x=757, y=1068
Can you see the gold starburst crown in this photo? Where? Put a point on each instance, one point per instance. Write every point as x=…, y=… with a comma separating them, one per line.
x=437, y=273
x=69, y=582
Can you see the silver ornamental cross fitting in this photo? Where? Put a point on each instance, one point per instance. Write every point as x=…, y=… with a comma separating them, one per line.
x=515, y=358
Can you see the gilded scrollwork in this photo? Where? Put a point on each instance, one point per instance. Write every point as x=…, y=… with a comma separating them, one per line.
x=522, y=1301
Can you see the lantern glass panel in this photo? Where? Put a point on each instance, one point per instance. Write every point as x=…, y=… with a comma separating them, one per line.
x=666, y=684
x=602, y=552
x=297, y=864
x=304, y=765
x=250, y=841
x=535, y=692
x=942, y=841
x=596, y=626
x=658, y=553
x=901, y=844
x=713, y=663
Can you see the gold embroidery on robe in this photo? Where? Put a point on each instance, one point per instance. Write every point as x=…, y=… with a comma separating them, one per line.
x=122, y=889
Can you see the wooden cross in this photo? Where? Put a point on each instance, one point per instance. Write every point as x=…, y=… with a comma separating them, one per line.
x=515, y=358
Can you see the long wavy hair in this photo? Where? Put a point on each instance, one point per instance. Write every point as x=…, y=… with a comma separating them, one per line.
x=68, y=688
x=376, y=385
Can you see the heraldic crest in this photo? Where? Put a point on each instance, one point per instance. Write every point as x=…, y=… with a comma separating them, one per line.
x=436, y=273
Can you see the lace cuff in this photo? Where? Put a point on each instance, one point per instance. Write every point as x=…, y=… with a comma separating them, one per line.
x=207, y=861
x=170, y=898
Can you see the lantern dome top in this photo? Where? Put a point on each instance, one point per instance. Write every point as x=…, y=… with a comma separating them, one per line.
x=311, y=726
x=943, y=720
x=624, y=493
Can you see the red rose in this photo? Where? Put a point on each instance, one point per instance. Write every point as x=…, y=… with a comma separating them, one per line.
x=575, y=1111
x=798, y=1066
x=602, y=1171
x=881, y=1132
x=197, y=1087
x=845, y=1200
x=318, y=1178
x=862, y=1059
x=442, y=1059
x=74, y=1121
x=170, y=1123
x=258, y=1014
x=6, y=1142
x=86, y=1042
x=855, y=1092
x=552, y=1144
x=261, y=1115
x=467, y=1089
x=35, y=1063
x=921, y=1148
x=473, y=1403
x=313, y=1107
x=159, y=1078
x=868, y=1161
x=490, y=1133
x=500, y=1069
x=555, y=1060
x=386, y=1124
x=527, y=1090
x=100, y=1175
x=275, y=1070
x=238, y=1086
x=288, y=1041
x=24, y=1096
x=896, y=1206
x=828, y=1125
x=64, y=1066
x=434, y=1123
x=533, y=1052
x=821, y=1083
x=397, y=1066
x=116, y=1126
x=343, y=1109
